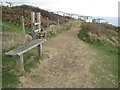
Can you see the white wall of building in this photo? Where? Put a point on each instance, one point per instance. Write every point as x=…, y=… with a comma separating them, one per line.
x=89, y=19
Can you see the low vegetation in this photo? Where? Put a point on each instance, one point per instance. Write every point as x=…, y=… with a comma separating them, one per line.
x=100, y=33
x=17, y=11
x=13, y=37
x=10, y=77
x=55, y=30
x=105, y=67
x=84, y=32
x=12, y=27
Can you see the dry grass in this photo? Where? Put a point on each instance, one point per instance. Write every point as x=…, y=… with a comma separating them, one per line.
x=13, y=39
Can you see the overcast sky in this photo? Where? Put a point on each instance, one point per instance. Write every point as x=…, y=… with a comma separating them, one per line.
x=83, y=7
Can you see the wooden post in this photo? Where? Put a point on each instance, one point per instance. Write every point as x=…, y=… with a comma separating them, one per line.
x=47, y=22
x=38, y=20
x=39, y=50
x=58, y=21
x=20, y=63
x=32, y=24
x=23, y=26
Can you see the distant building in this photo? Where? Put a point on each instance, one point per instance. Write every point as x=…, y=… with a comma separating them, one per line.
x=75, y=16
x=67, y=14
x=89, y=19
x=86, y=18
x=59, y=13
x=82, y=18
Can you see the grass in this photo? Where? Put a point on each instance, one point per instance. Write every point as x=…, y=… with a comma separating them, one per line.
x=11, y=27
x=105, y=68
x=31, y=62
x=10, y=77
x=61, y=29
x=7, y=76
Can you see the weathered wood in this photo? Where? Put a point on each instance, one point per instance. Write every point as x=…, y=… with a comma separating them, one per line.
x=37, y=23
x=19, y=63
x=22, y=49
x=47, y=22
x=23, y=25
x=58, y=21
x=40, y=50
x=38, y=30
x=38, y=20
x=32, y=24
x=18, y=52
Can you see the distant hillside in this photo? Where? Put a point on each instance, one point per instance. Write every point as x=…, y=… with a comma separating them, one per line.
x=101, y=29
x=102, y=33
x=13, y=14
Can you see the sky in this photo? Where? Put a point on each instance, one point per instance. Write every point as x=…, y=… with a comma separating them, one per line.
x=107, y=8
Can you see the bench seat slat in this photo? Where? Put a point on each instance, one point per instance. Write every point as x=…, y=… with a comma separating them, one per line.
x=22, y=49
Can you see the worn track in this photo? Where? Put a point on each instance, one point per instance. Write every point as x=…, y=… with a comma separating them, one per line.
x=67, y=66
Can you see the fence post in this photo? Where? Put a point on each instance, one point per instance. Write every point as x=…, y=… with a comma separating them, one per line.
x=32, y=24
x=39, y=27
x=23, y=25
x=58, y=21
x=39, y=21
x=47, y=22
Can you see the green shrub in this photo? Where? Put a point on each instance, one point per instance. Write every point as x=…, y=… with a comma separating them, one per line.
x=83, y=34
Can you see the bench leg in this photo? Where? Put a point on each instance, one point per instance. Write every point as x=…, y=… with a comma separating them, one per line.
x=20, y=63
x=39, y=50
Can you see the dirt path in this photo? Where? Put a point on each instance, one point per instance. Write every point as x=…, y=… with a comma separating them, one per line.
x=67, y=65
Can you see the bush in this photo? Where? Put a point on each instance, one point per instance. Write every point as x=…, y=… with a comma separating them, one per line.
x=83, y=34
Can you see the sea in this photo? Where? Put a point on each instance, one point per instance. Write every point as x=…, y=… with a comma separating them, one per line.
x=111, y=20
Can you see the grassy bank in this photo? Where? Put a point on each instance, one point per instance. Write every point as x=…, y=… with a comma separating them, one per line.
x=12, y=27
x=105, y=66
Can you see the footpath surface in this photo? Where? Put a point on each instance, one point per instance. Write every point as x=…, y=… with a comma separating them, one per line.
x=67, y=66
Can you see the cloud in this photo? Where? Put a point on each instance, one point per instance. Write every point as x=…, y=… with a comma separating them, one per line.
x=84, y=7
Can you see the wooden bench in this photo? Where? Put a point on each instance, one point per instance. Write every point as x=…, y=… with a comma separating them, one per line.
x=18, y=52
